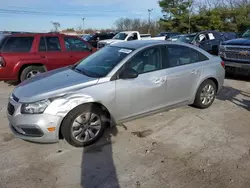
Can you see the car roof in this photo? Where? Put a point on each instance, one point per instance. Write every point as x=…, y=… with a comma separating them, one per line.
x=136, y=44
x=39, y=34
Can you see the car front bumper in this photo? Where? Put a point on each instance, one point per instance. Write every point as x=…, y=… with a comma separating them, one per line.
x=237, y=65
x=34, y=127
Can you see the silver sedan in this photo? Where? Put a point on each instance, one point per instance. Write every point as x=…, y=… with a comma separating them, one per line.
x=118, y=83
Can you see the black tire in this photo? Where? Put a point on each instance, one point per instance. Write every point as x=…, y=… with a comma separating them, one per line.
x=66, y=127
x=198, y=102
x=25, y=72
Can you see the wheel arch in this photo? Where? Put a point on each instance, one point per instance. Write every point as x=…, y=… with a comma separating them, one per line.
x=210, y=78
x=22, y=67
x=108, y=116
x=203, y=80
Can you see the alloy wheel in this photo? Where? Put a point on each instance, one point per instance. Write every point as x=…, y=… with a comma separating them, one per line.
x=86, y=127
x=207, y=94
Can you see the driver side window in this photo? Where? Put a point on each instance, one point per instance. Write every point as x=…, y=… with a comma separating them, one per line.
x=147, y=60
x=75, y=45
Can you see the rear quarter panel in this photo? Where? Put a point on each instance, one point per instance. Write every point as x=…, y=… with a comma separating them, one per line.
x=14, y=62
x=213, y=69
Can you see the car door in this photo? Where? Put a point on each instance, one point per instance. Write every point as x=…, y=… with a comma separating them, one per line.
x=184, y=66
x=146, y=92
x=204, y=42
x=215, y=40
x=50, y=50
x=76, y=48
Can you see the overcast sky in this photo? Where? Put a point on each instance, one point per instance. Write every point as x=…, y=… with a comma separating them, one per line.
x=36, y=15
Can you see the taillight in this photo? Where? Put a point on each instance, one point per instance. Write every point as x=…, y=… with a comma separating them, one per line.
x=2, y=62
x=222, y=64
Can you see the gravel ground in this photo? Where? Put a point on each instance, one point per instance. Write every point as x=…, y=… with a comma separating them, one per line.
x=185, y=147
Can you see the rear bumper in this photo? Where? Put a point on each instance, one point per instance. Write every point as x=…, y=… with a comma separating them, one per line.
x=5, y=74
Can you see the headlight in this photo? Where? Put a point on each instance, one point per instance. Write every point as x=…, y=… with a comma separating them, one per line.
x=35, y=107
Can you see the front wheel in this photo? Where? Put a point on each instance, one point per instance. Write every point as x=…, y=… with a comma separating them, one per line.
x=205, y=95
x=83, y=126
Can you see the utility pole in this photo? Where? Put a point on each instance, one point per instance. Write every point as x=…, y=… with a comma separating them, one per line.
x=83, y=19
x=189, y=16
x=149, y=19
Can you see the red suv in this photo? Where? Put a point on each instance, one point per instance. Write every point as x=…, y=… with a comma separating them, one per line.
x=24, y=55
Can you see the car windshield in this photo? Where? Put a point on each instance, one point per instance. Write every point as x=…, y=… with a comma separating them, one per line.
x=246, y=33
x=120, y=36
x=175, y=38
x=161, y=35
x=101, y=62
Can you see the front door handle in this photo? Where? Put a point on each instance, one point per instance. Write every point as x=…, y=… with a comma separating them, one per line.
x=159, y=80
x=194, y=72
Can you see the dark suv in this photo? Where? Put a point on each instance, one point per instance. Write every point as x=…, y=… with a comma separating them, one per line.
x=95, y=38
x=24, y=55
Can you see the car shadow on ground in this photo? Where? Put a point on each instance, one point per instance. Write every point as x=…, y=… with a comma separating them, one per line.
x=238, y=77
x=11, y=83
x=228, y=93
x=98, y=168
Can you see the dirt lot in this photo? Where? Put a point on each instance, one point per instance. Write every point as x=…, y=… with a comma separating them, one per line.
x=185, y=147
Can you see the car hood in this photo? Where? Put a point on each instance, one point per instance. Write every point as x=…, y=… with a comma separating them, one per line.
x=52, y=84
x=109, y=41
x=239, y=41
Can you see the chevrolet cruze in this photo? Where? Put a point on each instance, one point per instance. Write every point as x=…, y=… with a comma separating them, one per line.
x=118, y=83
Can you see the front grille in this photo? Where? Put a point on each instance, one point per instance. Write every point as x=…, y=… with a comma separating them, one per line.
x=11, y=109
x=237, y=49
x=101, y=45
x=237, y=56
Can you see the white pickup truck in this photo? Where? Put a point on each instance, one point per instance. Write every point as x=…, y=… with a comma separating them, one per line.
x=124, y=36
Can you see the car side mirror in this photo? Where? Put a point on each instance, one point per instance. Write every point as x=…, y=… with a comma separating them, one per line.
x=128, y=74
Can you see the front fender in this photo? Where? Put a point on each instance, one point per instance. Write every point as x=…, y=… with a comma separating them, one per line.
x=63, y=105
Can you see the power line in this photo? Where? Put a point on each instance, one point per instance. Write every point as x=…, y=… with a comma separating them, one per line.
x=63, y=13
x=88, y=9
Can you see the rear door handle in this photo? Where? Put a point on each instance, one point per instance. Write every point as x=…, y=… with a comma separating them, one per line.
x=194, y=72
x=43, y=56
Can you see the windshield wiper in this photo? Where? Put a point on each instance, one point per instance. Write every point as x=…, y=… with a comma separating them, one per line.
x=82, y=71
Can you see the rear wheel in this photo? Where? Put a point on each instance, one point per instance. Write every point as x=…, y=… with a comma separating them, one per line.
x=84, y=125
x=205, y=95
x=30, y=72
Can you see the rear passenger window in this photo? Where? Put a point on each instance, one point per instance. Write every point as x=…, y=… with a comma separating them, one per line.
x=53, y=44
x=176, y=55
x=18, y=44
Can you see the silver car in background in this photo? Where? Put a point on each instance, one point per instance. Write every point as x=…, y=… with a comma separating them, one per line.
x=118, y=83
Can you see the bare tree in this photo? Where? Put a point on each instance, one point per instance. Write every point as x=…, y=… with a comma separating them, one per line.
x=56, y=26
x=120, y=24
